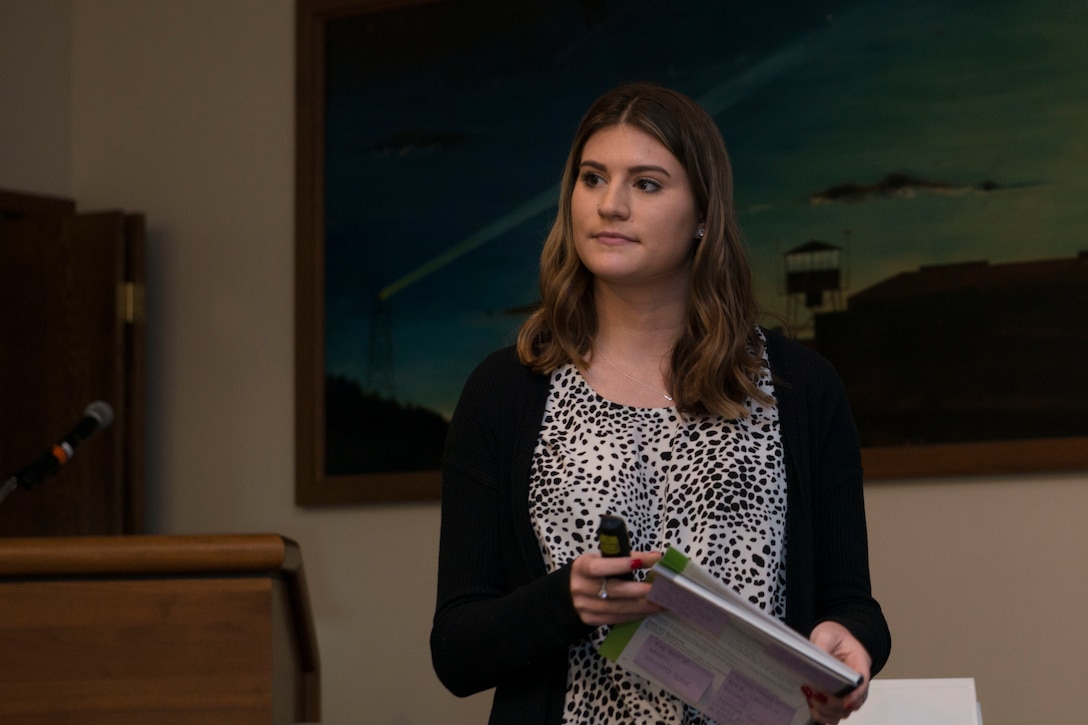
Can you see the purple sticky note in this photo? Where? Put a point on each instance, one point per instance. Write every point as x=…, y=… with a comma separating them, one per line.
x=673, y=669
x=742, y=701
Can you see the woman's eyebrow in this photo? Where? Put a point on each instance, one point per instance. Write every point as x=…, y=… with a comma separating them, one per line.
x=641, y=169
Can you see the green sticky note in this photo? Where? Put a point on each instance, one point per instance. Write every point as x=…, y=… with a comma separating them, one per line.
x=674, y=560
x=618, y=638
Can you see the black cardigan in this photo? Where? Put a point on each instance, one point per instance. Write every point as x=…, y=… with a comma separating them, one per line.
x=503, y=621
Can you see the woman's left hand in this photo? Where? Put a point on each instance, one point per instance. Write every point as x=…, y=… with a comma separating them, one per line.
x=835, y=639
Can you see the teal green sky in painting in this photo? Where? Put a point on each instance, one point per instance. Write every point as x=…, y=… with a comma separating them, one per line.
x=944, y=95
x=443, y=150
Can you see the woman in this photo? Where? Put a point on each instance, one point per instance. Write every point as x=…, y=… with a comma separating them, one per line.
x=644, y=387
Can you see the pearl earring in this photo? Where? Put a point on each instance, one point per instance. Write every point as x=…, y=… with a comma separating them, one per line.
x=699, y=234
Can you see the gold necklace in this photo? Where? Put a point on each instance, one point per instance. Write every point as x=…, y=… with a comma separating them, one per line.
x=632, y=379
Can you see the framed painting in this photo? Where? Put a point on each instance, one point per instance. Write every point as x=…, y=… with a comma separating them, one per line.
x=908, y=179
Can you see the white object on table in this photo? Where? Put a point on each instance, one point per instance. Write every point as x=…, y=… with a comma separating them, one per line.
x=938, y=701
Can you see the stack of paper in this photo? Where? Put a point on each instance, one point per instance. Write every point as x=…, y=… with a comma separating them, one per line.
x=721, y=654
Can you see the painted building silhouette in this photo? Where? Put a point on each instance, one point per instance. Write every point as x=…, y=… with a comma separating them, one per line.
x=966, y=352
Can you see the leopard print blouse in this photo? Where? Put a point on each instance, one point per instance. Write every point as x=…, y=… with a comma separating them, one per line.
x=713, y=488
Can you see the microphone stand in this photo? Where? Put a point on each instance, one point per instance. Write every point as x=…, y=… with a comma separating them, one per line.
x=31, y=475
x=98, y=414
x=8, y=487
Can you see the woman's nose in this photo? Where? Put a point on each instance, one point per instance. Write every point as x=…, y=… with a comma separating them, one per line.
x=613, y=203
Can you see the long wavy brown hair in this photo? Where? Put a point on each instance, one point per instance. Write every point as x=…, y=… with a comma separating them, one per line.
x=716, y=360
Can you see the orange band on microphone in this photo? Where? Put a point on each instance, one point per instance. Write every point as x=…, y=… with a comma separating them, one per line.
x=60, y=454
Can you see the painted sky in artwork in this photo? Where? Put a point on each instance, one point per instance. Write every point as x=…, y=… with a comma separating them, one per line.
x=448, y=126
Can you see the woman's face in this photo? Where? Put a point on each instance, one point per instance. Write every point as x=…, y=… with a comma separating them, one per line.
x=632, y=210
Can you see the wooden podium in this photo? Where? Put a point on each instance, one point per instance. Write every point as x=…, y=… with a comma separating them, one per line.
x=156, y=629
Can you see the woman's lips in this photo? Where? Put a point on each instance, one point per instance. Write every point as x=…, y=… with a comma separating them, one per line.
x=613, y=238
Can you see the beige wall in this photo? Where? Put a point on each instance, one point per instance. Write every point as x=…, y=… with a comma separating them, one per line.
x=986, y=579
x=184, y=111
x=36, y=96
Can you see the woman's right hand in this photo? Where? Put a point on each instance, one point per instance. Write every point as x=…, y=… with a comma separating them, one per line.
x=591, y=574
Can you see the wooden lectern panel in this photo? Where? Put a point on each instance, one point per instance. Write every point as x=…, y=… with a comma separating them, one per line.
x=165, y=630
x=73, y=327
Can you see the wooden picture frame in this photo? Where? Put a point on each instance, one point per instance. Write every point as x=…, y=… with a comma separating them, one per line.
x=315, y=487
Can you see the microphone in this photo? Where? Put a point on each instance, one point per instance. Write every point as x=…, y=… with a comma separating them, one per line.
x=98, y=415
